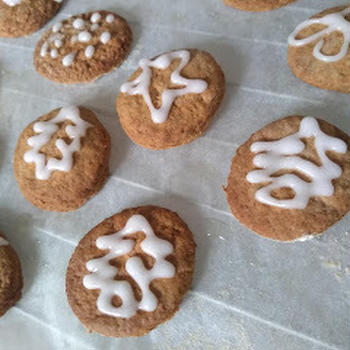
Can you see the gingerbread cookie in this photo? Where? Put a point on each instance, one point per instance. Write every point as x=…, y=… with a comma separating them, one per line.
x=291, y=179
x=82, y=48
x=257, y=5
x=11, y=280
x=61, y=159
x=318, y=51
x=131, y=272
x=23, y=17
x=171, y=99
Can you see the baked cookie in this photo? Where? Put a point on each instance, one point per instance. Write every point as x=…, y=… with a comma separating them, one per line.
x=257, y=5
x=291, y=179
x=61, y=159
x=318, y=51
x=131, y=272
x=11, y=280
x=23, y=17
x=171, y=99
x=82, y=48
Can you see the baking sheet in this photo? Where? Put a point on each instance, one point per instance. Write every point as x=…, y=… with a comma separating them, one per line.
x=248, y=292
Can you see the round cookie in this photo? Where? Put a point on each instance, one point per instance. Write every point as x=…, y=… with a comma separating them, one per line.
x=11, y=280
x=61, y=159
x=318, y=51
x=82, y=48
x=291, y=179
x=257, y=5
x=171, y=99
x=23, y=17
x=137, y=276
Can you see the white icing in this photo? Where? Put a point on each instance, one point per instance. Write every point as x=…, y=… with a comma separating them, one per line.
x=334, y=22
x=57, y=27
x=78, y=23
x=12, y=2
x=45, y=130
x=54, y=53
x=110, y=18
x=3, y=241
x=44, y=48
x=94, y=27
x=105, y=37
x=74, y=39
x=140, y=85
x=59, y=1
x=281, y=154
x=103, y=274
x=58, y=43
x=89, y=51
x=68, y=59
x=95, y=17
x=84, y=37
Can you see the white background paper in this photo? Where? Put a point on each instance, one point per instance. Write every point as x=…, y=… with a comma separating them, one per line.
x=248, y=292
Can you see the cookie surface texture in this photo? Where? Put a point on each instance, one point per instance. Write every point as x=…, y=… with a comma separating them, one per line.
x=257, y=5
x=291, y=179
x=11, y=280
x=171, y=99
x=319, y=50
x=61, y=159
x=131, y=272
x=23, y=17
x=82, y=48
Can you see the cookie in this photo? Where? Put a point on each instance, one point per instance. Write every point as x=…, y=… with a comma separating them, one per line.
x=318, y=51
x=257, y=5
x=131, y=272
x=23, y=17
x=82, y=48
x=291, y=179
x=11, y=280
x=171, y=99
x=61, y=159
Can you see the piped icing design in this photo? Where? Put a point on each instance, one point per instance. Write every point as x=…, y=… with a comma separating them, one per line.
x=141, y=84
x=103, y=274
x=3, y=241
x=45, y=130
x=274, y=156
x=334, y=22
x=83, y=32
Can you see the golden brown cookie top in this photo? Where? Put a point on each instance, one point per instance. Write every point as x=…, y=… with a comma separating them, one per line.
x=61, y=158
x=319, y=51
x=171, y=99
x=291, y=178
x=130, y=272
x=83, y=47
x=257, y=5
x=11, y=281
x=23, y=17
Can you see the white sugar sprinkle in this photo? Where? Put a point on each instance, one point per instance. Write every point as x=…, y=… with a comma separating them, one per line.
x=89, y=51
x=43, y=49
x=95, y=17
x=54, y=53
x=84, y=37
x=68, y=59
x=94, y=27
x=78, y=23
x=110, y=18
x=57, y=27
x=58, y=43
x=105, y=36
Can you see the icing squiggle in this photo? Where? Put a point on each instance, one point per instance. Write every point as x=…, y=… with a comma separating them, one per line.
x=45, y=130
x=281, y=154
x=140, y=85
x=103, y=274
x=334, y=22
x=3, y=241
